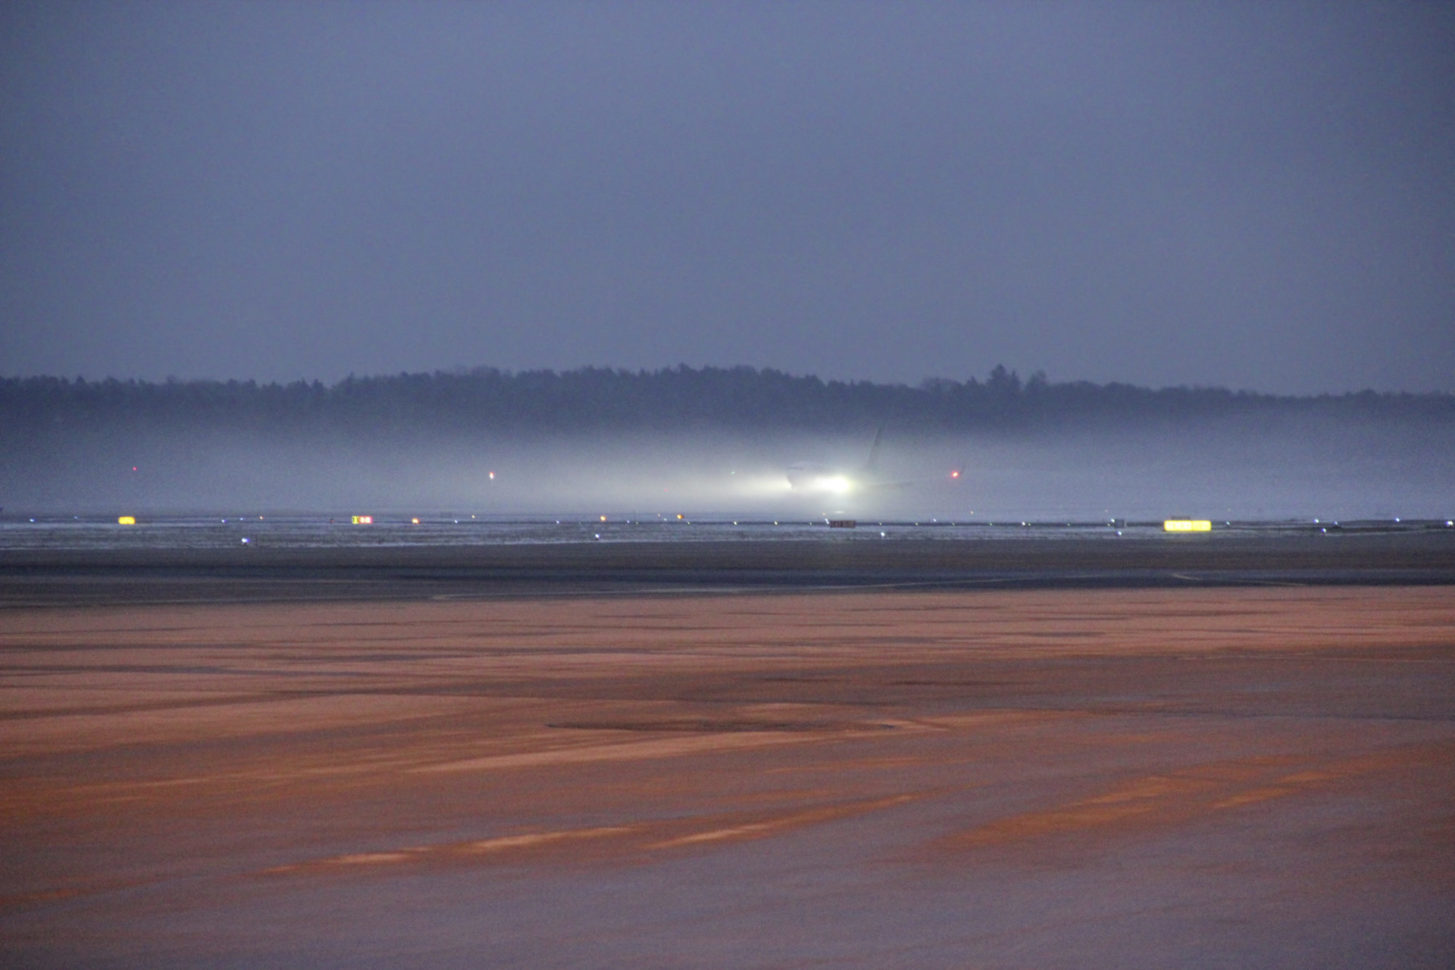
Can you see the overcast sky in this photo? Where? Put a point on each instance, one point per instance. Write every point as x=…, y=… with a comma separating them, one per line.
x=1251, y=195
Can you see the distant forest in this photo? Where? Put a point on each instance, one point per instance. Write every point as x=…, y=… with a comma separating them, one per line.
x=683, y=398
x=490, y=402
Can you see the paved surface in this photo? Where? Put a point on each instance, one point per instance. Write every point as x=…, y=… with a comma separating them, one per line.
x=1200, y=777
x=63, y=577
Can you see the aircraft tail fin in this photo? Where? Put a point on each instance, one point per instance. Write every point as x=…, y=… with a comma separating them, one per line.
x=873, y=462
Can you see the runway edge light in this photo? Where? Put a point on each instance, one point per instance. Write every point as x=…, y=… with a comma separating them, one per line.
x=1187, y=525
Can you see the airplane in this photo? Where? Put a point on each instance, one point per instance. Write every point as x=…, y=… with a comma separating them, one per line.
x=812, y=478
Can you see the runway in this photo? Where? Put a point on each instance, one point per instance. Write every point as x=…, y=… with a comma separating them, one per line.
x=1146, y=776
x=238, y=573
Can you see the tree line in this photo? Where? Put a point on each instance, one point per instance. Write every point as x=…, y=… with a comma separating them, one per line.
x=490, y=401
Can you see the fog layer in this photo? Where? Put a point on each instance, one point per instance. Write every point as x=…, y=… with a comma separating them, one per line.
x=1216, y=468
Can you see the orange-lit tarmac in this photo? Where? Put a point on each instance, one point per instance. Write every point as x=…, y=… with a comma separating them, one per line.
x=1045, y=778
